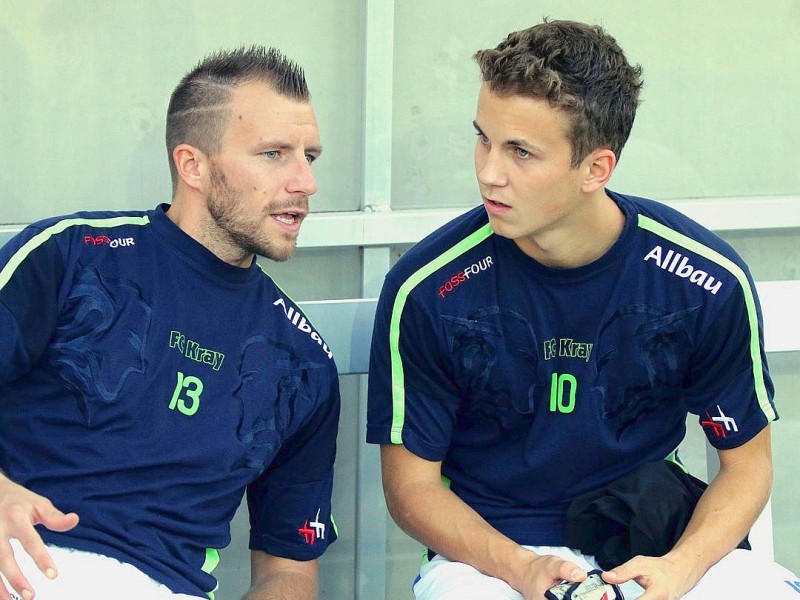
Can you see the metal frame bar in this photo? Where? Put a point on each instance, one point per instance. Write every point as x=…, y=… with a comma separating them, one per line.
x=376, y=176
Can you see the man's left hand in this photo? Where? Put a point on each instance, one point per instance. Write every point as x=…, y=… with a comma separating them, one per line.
x=662, y=578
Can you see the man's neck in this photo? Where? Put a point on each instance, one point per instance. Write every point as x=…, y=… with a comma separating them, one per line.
x=580, y=238
x=194, y=220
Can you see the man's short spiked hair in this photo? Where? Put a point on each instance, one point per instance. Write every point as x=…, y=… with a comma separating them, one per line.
x=198, y=108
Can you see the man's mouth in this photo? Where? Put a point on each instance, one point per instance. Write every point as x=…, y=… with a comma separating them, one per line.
x=288, y=218
x=495, y=202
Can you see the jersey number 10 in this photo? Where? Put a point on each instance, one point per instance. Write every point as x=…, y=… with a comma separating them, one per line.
x=562, y=392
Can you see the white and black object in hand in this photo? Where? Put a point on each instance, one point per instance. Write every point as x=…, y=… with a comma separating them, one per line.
x=591, y=588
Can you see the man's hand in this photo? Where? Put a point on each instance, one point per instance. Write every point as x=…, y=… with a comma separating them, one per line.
x=662, y=578
x=20, y=511
x=430, y=512
x=544, y=572
x=725, y=513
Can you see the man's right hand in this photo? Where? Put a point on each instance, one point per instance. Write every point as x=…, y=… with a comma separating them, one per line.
x=543, y=573
x=20, y=511
x=430, y=512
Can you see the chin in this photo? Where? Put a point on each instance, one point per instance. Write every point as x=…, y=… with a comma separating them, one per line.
x=502, y=229
x=282, y=257
x=281, y=254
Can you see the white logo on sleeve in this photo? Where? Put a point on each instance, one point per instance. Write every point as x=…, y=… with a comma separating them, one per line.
x=318, y=527
x=728, y=422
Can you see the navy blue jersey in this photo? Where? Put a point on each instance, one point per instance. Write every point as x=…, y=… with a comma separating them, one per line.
x=534, y=385
x=145, y=385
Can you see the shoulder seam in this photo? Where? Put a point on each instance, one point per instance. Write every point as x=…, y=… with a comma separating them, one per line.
x=45, y=234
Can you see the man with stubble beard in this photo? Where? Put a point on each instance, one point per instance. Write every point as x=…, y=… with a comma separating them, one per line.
x=151, y=373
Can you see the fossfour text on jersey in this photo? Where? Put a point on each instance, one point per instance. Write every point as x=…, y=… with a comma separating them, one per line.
x=678, y=264
x=463, y=276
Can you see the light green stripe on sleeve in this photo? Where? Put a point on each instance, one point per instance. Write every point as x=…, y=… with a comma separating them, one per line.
x=398, y=376
x=209, y=564
x=749, y=300
x=211, y=561
x=335, y=527
x=673, y=458
x=44, y=235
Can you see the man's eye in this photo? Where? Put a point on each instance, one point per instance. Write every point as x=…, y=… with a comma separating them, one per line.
x=271, y=154
x=310, y=158
x=482, y=138
x=522, y=153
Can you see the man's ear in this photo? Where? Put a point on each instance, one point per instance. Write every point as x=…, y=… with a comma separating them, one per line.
x=191, y=165
x=601, y=164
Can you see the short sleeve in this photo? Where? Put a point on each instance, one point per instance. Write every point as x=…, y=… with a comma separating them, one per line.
x=412, y=399
x=31, y=271
x=290, y=503
x=729, y=386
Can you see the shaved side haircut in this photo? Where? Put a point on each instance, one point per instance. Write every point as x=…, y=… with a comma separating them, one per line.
x=198, y=108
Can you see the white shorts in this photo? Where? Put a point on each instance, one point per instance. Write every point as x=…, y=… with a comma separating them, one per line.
x=742, y=575
x=89, y=576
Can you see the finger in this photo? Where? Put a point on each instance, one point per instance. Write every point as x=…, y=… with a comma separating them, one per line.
x=616, y=576
x=12, y=572
x=55, y=520
x=61, y=522
x=619, y=575
x=35, y=548
x=625, y=572
x=570, y=571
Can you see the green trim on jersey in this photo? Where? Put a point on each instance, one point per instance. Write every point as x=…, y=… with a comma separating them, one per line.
x=210, y=563
x=44, y=235
x=673, y=458
x=749, y=300
x=212, y=560
x=398, y=376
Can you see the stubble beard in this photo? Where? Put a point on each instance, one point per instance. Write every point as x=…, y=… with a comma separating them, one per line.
x=241, y=233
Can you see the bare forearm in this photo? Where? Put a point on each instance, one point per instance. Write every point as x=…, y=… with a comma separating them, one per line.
x=724, y=515
x=428, y=511
x=275, y=578
x=285, y=587
x=435, y=516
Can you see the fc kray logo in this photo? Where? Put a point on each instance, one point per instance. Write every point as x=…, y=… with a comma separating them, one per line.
x=313, y=531
x=720, y=425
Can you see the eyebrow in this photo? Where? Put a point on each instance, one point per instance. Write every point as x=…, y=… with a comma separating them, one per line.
x=512, y=142
x=276, y=145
